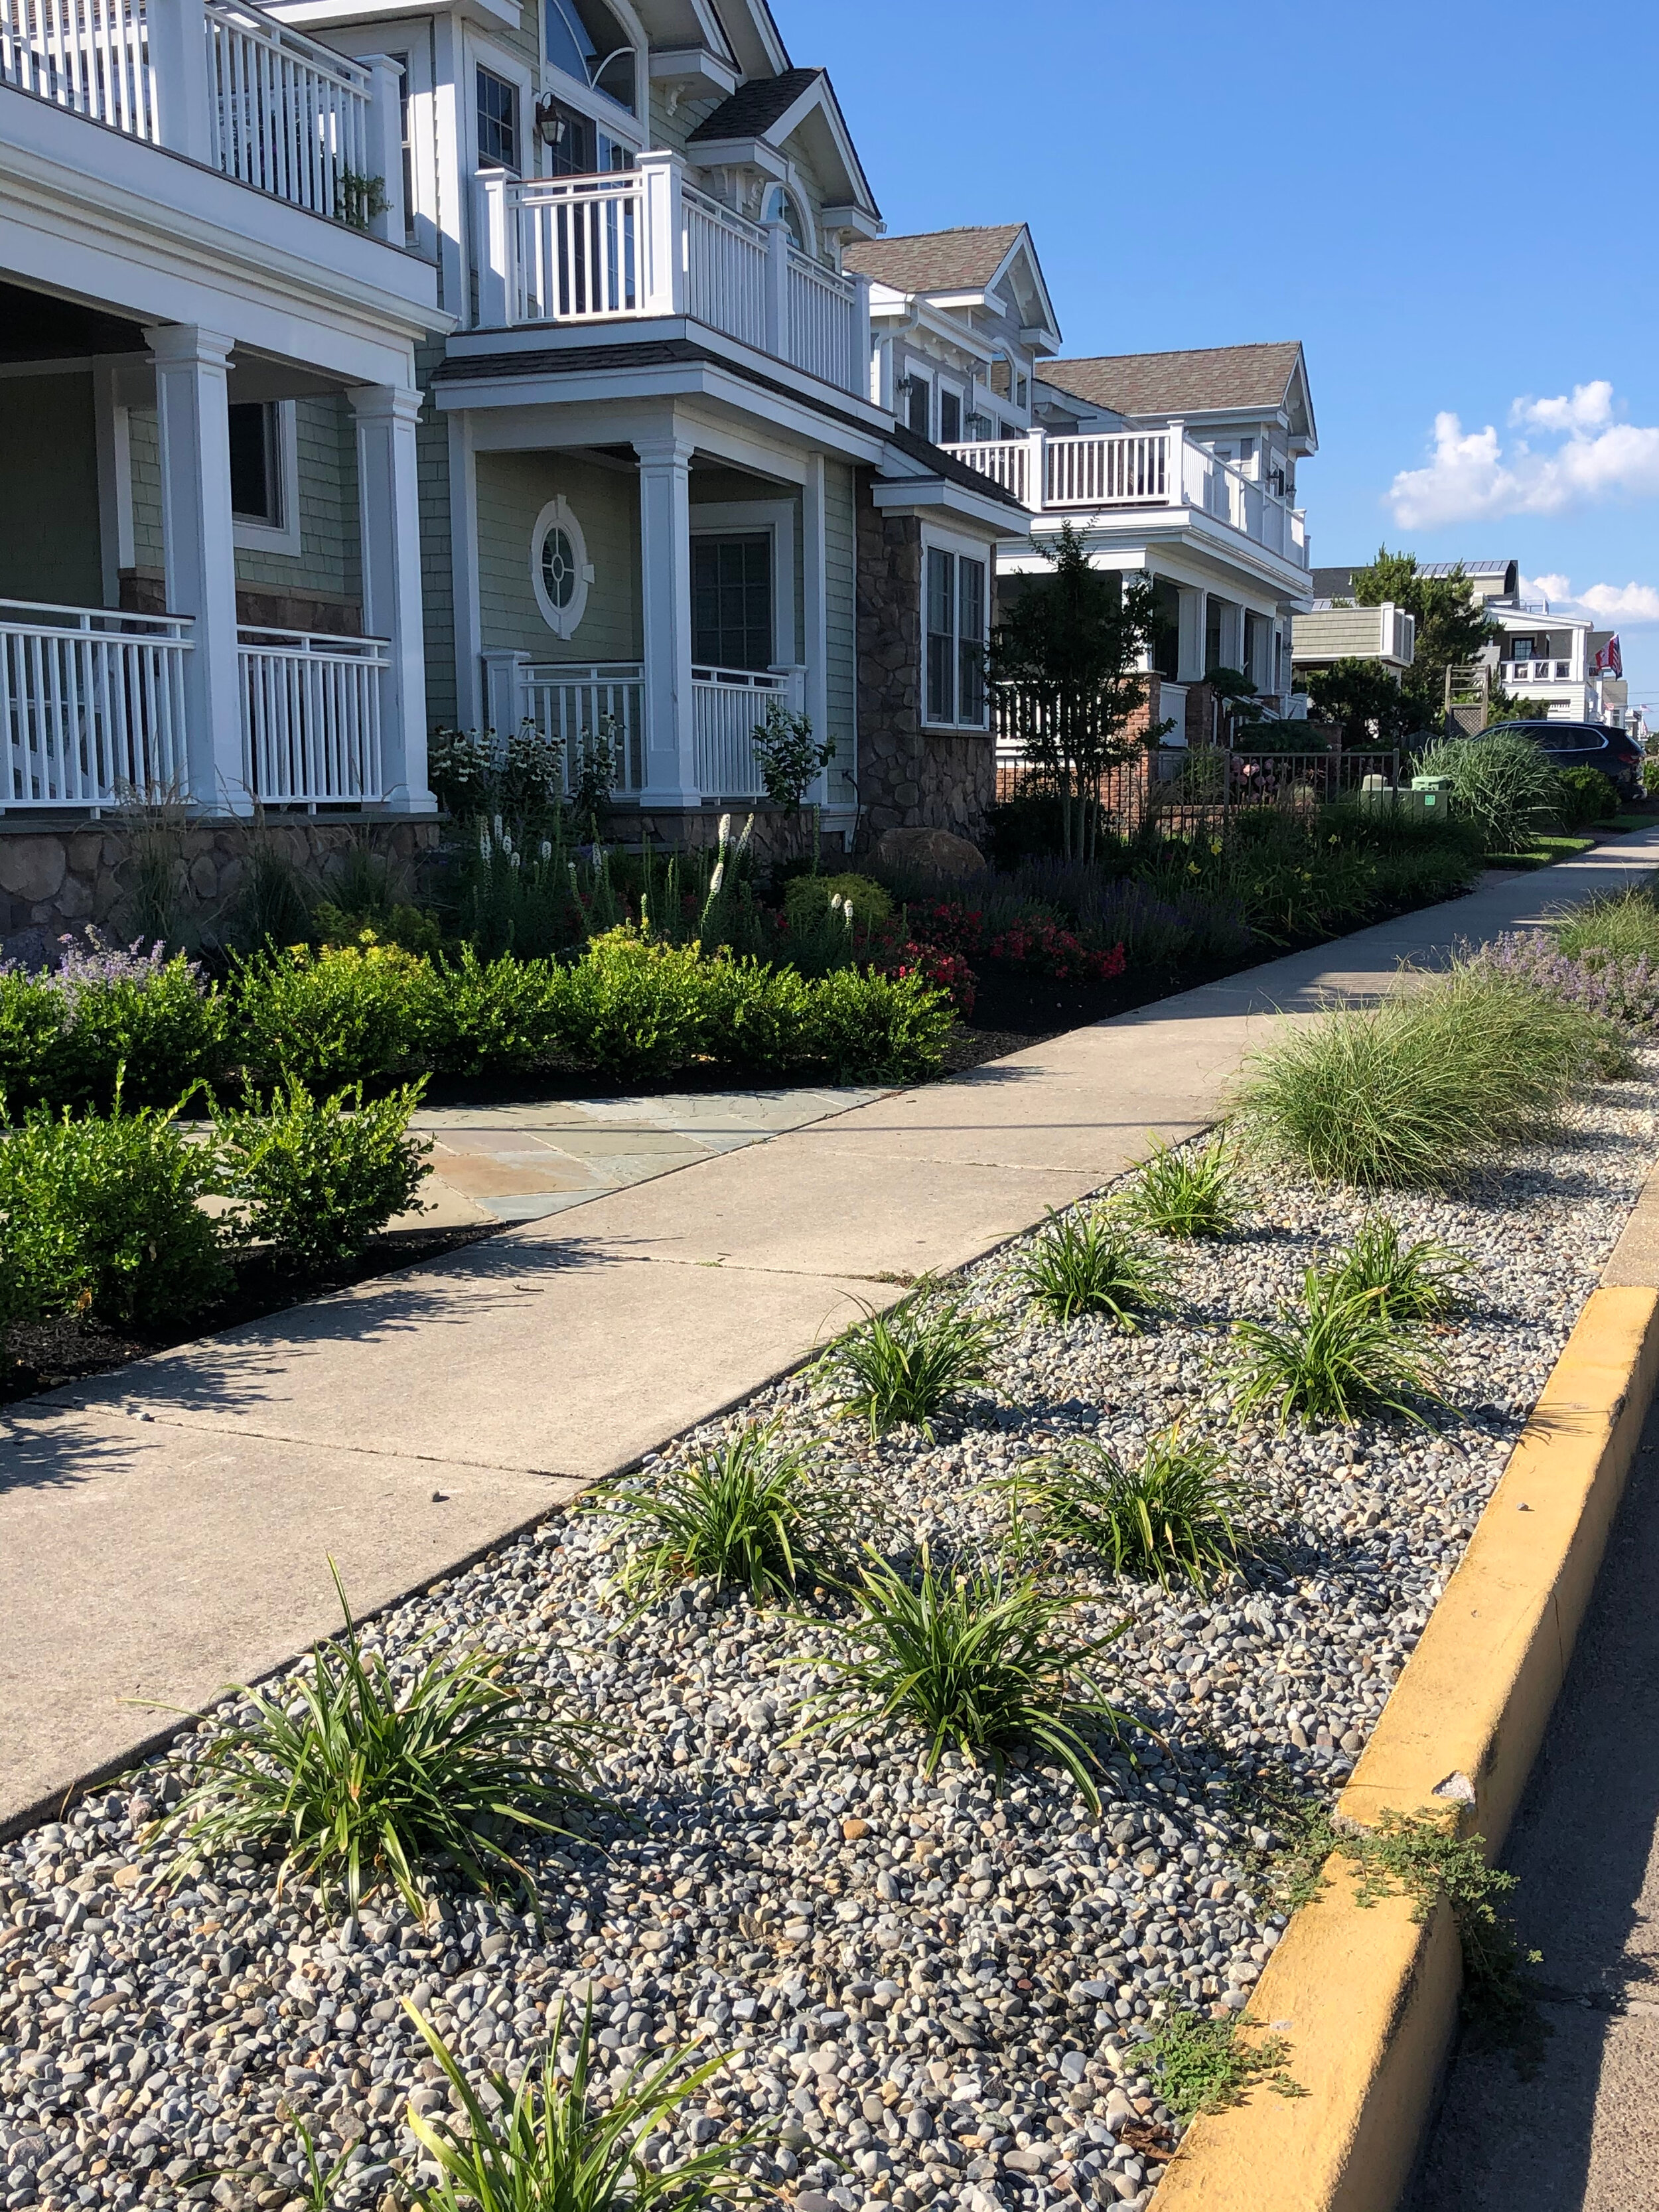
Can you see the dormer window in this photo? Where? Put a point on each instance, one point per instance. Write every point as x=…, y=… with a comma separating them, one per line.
x=585, y=40
x=781, y=208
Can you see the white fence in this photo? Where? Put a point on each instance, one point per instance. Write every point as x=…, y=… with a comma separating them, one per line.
x=311, y=717
x=641, y=244
x=286, y=115
x=91, y=705
x=727, y=704
x=572, y=708
x=87, y=55
x=1138, y=468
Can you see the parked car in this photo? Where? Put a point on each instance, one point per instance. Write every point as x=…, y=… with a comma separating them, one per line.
x=1584, y=744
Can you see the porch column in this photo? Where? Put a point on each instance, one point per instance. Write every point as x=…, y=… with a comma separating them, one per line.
x=389, y=526
x=198, y=548
x=671, y=763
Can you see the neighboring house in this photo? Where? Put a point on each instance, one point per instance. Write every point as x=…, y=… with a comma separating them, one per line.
x=209, y=549
x=1385, y=633
x=1539, y=653
x=650, y=489
x=1180, y=467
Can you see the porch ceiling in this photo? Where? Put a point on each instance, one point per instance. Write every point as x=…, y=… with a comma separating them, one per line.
x=42, y=326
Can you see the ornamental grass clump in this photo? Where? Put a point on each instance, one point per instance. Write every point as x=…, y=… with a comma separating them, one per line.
x=754, y=1514
x=1501, y=782
x=1416, y=1282
x=1178, y=1515
x=1435, y=1082
x=1087, y=1263
x=360, y=1778
x=1186, y=1194
x=1613, y=926
x=1333, y=1356
x=907, y=1363
x=979, y=1660
x=547, y=2143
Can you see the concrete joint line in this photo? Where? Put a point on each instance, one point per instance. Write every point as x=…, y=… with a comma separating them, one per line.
x=1366, y=1999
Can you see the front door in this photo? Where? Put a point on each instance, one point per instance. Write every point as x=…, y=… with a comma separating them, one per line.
x=731, y=602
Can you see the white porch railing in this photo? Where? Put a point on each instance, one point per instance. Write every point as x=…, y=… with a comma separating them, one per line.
x=726, y=703
x=91, y=705
x=1101, y=471
x=284, y=114
x=572, y=707
x=642, y=245
x=312, y=708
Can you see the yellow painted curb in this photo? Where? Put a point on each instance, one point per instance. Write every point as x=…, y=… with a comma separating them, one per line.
x=1365, y=1998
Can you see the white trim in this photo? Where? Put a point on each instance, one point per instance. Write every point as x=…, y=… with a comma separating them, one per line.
x=777, y=518
x=564, y=621
x=285, y=536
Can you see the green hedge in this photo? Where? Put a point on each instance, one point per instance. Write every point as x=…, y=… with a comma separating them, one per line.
x=629, y=1010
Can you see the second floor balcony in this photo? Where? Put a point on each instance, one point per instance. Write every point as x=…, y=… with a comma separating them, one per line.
x=642, y=245
x=224, y=84
x=1096, y=472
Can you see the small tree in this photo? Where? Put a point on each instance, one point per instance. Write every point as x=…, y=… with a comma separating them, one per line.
x=1452, y=626
x=787, y=755
x=1071, y=646
x=1365, y=700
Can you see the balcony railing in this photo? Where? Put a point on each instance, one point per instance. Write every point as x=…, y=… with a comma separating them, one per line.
x=312, y=709
x=91, y=705
x=579, y=708
x=1537, y=671
x=1094, y=472
x=641, y=244
x=218, y=79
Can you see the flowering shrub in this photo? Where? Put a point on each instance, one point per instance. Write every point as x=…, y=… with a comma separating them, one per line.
x=1045, y=949
x=1622, y=988
x=941, y=971
x=106, y=1013
x=948, y=924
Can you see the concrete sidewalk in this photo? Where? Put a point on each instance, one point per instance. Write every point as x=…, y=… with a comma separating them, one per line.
x=167, y=1530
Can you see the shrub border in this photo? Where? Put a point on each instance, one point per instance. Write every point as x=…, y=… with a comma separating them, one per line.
x=1365, y=1996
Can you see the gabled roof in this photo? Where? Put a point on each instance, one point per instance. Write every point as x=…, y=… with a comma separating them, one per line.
x=754, y=107
x=965, y=260
x=1212, y=379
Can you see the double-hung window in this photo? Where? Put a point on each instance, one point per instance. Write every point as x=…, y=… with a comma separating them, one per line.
x=498, y=122
x=955, y=609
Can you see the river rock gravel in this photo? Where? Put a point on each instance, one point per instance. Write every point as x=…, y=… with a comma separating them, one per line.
x=929, y=1990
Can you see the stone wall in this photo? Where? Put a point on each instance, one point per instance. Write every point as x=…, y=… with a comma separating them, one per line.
x=54, y=879
x=779, y=833
x=908, y=776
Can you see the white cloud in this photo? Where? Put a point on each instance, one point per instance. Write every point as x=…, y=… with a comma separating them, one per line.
x=1471, y=474
x=1629, y=604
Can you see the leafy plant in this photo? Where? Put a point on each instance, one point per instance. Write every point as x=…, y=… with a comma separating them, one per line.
x=1334, y=1356
x=108, y=1017
x=1086, y=1263
x=1501, y=781
x=102, y=1218
x=340, y=1015
x=1203, y=2065
x=978, y=1662
x=1176, y=1515
x=1188, y=1194
x=360, y=1778
x=907, y=1363
x=318, y=1177
x=272, y=904
x=591, y=771
x=1422, y=1089
x=1584, y=795
x=1415, y=1282
x=787, y=755
x=546, y=2144
x=752, y=1513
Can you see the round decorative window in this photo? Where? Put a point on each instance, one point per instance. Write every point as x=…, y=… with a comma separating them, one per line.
x=560, y=571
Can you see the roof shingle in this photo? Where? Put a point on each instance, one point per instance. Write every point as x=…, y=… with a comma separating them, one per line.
x=1174, y=383
x=754, y=107
x=935, y=260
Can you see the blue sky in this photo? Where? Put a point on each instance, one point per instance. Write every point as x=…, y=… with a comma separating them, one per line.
x=1452, y=206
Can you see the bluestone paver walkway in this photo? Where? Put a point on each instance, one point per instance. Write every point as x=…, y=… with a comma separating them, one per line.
x=166, y=1528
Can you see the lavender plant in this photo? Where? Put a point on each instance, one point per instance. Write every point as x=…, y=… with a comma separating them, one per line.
x=1621, y=988
x=105, y=1016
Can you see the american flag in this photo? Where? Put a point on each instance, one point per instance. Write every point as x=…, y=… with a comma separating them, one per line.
x=1609, y=661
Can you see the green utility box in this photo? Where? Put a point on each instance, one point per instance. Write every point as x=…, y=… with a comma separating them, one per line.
x=1431, y=793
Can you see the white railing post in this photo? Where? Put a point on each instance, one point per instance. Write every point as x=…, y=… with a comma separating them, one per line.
x=670, y=774
x=389, y=526
x=497, y=260
x=386, y=143
x=1174, y=476
x=505, y=700
x=192, y=407
x=1036, y=494
x=177, y=34
x=663, y=283
x=860, y=379
x=777, y=290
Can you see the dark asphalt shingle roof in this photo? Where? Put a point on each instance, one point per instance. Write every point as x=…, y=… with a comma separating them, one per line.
x=753, y=108
x=1213, y=377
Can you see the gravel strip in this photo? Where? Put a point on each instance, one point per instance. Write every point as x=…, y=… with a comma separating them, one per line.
x=930, y=1992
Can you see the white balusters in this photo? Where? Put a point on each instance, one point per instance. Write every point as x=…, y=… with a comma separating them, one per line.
x=312, y=716
x=727, y=704
x=92, y=706
x=288, y=116
x=91, y=56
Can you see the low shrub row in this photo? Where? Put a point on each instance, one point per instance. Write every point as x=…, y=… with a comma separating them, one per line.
x=102, y=1215
x=631, y=1009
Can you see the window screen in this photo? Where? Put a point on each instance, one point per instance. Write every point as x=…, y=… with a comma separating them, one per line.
x=970, y=640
